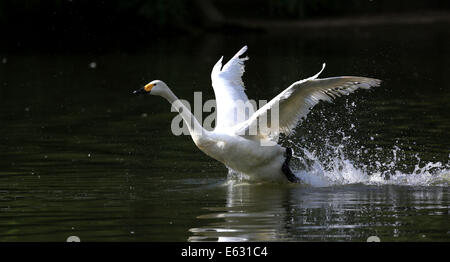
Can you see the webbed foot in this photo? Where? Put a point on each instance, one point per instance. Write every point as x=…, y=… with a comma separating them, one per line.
x=287, y=170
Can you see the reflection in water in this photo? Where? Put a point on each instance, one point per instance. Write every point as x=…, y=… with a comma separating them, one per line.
x=244, y=218
x=346, y=213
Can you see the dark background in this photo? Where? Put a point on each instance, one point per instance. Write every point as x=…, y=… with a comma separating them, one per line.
x=100, y=24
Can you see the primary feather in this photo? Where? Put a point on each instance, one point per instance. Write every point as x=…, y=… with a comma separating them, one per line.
x=229, y=90
x=295, y=102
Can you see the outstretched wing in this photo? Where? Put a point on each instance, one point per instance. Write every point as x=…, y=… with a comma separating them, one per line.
x=229, y=91
x=295, y=102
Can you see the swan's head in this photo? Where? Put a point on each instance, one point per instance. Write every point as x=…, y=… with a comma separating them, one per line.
x=155, y=87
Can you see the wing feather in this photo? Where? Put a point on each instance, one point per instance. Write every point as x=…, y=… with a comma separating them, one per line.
x=295, y=102
x=229, y=90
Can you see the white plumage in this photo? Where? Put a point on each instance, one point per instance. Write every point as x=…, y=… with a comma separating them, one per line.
x=229, y=89
x=240, y=140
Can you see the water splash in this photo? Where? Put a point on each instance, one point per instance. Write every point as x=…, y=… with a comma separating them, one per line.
x=338, y=169
x=331, y=165
x=329, y=150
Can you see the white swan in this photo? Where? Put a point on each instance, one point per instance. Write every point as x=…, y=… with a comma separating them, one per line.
x=242, y=143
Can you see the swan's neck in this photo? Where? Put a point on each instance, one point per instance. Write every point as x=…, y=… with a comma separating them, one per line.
x=195, y=128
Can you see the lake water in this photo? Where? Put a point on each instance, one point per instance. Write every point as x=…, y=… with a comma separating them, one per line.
x=81, y=156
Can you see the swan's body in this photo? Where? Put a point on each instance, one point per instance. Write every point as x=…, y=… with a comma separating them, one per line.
x=240, y=141
x=244, y=156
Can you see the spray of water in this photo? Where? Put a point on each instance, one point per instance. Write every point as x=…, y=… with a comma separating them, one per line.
x=330, y=151
x=338, y=169
x=335, y=155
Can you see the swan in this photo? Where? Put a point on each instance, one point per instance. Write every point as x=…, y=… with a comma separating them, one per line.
x=243, y=144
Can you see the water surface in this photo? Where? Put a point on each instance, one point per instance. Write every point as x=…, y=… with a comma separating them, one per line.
x=79, y=155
